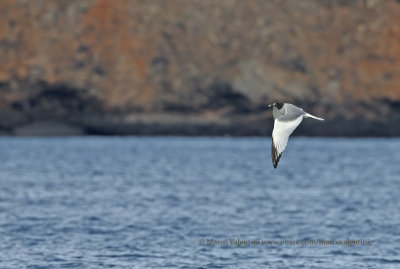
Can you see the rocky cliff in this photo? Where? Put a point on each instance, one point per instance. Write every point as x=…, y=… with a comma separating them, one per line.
x=198, y=67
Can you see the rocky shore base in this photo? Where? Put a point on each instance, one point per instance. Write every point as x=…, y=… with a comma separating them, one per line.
x=191, y=126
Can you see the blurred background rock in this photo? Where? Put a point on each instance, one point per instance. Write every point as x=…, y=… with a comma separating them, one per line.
x=189, y=67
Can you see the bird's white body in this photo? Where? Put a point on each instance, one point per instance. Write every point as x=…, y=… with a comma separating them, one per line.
x=282, y=131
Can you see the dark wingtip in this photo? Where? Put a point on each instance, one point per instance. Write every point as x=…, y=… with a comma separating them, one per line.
x=275, y=156
x=276, y=161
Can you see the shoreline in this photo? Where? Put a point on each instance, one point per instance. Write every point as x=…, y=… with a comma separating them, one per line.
x=332, y=129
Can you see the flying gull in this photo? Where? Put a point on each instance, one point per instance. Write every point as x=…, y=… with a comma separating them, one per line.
x=286, y=119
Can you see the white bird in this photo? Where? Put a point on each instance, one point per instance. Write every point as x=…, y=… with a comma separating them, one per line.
x=286, y=119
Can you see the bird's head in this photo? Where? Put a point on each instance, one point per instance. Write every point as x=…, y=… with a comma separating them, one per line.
x=278, y=105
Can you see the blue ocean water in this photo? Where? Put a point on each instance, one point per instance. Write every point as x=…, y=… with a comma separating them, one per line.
x=171, y=202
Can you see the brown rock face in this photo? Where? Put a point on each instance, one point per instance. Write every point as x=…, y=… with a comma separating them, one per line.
x=198, y=67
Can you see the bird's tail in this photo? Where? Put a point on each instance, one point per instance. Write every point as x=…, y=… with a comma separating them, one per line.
x=307, y=115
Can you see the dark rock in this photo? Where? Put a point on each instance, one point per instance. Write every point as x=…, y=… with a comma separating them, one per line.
x=47, y=129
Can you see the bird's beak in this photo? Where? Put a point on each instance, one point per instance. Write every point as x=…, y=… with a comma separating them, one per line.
x=269, y=106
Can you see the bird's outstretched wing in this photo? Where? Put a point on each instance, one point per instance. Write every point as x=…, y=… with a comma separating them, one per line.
x=280, y=135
